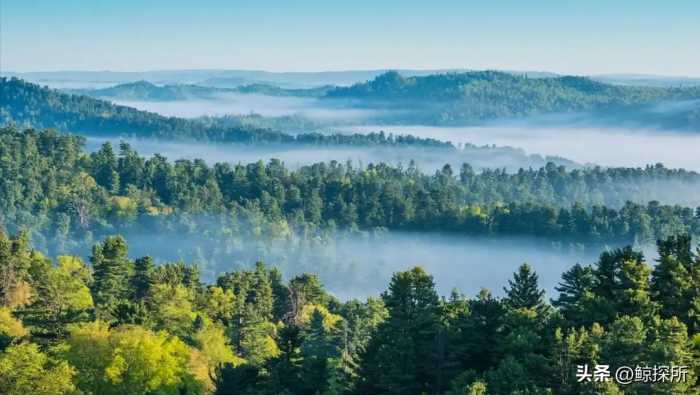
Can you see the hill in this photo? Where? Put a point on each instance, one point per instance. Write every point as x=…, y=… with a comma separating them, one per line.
x=146, y=91
x=30, y=105
x=458, y=98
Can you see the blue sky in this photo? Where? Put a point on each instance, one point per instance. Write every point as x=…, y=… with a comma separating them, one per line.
x=576, y=37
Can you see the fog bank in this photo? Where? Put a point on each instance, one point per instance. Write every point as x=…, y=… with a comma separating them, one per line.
x=294, y=156
x=361, y=265
x=617, y=147
x=244, y=104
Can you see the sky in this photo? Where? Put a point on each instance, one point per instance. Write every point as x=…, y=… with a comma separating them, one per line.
x=572, y=37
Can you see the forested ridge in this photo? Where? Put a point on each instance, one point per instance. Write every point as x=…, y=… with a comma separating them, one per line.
x=52, y=187
x=459, y=98
x=144, y=90
x=31, y=105
x=118, y=325
x=101, y=321
x=439, y=99
x=550, y=93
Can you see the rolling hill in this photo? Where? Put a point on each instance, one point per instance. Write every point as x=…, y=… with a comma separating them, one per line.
x=463, y=98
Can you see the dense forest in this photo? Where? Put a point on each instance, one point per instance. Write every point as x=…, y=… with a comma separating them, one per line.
x=146, y=91
x=27, y=104
x=119, y=325
x=463, y=98
x=67, y=199
x=439, y=99
x=49, y=179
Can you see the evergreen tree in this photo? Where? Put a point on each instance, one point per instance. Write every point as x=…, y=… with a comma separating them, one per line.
x=523, y=290
x=576, y=301
x=112, y=270
x=672, y=282
x=632, y=295
x=607, y=272
x=104, y=164
x=669, y=346
x=317, y=350
x=142, y=280
x=402, y=355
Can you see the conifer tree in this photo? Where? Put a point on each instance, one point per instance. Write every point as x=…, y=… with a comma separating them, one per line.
x=523, y=290
x=576, y=300
x=112, y=270
x=142, y=281
x=401, y=356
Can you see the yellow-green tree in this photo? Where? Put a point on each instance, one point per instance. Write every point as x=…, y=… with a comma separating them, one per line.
x=128, y=360
x=25, y=370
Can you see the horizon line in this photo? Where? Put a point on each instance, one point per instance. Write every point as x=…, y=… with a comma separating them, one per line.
x=367, y=70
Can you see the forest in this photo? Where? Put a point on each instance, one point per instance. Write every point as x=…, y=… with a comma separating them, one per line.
x=472, y=97
x=121, y=325
x=62, y=194
x=349, y=198
x=445, y=99
x=127, y=273
x=144, y=90
x=29, y=104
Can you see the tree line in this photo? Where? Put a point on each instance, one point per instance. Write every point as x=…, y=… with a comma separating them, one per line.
x=470, y=97
x=30, y=105
x=117, y=325
x=53, y=187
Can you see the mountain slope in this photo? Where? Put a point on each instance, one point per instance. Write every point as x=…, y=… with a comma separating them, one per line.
x=457, y=98
x=146, y=91
x=29, y=105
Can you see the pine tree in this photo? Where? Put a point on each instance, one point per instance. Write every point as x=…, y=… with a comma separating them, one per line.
x=401, y=356
x=672, y=285
x=607, y=289
x=632, y=296
x=670, y=347
x=480, y=330
x=523, y=291
x=625, y=342
x=105, y=168
x=576, y=300
x=112, y=270
x=142, y=281
x=260, y=294
x=317, y=349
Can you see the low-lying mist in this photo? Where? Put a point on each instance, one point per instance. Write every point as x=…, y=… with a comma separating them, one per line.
x=682, y=190
x=569, y=136
x=243, y=104
x=360, y=265
x=619, y=147
x=427, y=159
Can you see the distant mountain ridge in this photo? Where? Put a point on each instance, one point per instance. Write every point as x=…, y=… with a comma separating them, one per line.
x=222, y=78
x=463, y=98
x=147, y=91
x=449, y=99
x=30, y=105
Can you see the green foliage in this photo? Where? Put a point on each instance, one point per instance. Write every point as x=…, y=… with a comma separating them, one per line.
x=11, y=328
x=403, y=355
x=112, y=268
x=31, y=105
x=127, y=359
x=463, y=98
x=67, y=200
x=236, y=337
x=523, y=291
x=26, y=370
x=61, y=297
